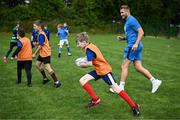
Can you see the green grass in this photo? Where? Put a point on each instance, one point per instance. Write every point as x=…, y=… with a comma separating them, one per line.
x=161, y=56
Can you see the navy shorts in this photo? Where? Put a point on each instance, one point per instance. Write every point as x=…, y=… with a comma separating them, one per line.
x=45, y=60
x=108, y=78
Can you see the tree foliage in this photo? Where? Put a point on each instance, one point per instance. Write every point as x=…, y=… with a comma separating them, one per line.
x=90, y=13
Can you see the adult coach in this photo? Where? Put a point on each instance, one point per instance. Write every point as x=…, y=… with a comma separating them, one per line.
x=133, y=50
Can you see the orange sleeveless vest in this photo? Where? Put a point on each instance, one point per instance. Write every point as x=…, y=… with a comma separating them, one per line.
x=26, y=51
x=100, y=64
x=45, y=51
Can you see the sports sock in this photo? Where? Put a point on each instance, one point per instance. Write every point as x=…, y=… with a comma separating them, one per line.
x=59, y=50
x=90, y=91
x=53, y=76
x=126, y=97
x=43, y=73
x=68, y=49
x=152, y=79
x=122, y=83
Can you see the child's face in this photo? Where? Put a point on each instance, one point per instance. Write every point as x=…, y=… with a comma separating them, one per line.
x=81, y=45
x=37, y=28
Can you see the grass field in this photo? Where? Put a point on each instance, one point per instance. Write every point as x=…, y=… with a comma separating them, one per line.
x=161, y=56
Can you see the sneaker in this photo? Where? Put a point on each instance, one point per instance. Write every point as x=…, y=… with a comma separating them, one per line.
x=12, y=58
x=69, y=54
x=58, y=84
x=136, y=110
x=59, y=55
x=111, y=90
x=5, y=59
x=156, y=85
x=29, y=85
x=93, y=103
x=45, y=81
x=18, y=82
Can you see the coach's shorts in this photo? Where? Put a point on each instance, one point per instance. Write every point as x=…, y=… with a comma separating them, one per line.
x=133, y=55
x=108, y=78
x=45, y=60
x=64, y=41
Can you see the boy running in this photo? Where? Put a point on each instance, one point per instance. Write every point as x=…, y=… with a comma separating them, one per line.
x=63, y=39
x=13, y=43
x=102, y=70
x=44, y=51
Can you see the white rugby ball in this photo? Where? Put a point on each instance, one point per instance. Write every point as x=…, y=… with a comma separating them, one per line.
x=79, y=61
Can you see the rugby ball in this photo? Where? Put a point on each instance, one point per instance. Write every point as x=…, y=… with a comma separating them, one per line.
x=79, y=61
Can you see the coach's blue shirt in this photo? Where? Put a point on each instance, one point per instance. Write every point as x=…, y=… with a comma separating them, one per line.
x=130, y=28
x=62, y=33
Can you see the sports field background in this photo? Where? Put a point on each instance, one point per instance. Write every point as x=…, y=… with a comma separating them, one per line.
x=160, y=55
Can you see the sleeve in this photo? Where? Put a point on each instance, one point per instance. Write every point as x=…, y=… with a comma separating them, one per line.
x=90, y=54
x=135, y=24
x=41, y=39
x=19, y=44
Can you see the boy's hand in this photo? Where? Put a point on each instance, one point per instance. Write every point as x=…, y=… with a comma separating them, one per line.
x=120, y=38
x=33, y=55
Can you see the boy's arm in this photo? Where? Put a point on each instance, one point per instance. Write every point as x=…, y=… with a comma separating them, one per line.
x=37, y=50
x=41, y=43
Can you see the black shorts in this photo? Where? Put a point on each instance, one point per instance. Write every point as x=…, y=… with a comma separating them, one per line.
x=27, y=65
x=45, y=60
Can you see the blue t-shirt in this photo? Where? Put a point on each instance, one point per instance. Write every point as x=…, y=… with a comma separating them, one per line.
x=90, y=54
x=34, y=33
x=130, y=28
x=41, y=39
x=62, y=33
x=47, y=32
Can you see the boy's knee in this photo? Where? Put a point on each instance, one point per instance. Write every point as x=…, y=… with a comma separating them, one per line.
x=38, y=66
x=83, y=80
x=116, y=88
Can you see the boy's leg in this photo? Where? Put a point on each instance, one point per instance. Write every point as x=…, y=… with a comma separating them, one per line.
x=109, y=79
x=68, y=48
x=28, y=66
x=61, y=42
x=84, y=82
x=57, y=83
x=14, y=55
x=19, y=71
x=41, y=70
x=135, y=107
x=95, y=100
x=9, y=51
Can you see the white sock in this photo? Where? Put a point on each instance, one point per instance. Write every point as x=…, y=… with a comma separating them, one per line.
x=152, y=79
x=122, y=83
x=57, y=82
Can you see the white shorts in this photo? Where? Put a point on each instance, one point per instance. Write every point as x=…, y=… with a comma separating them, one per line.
x=64, y=41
